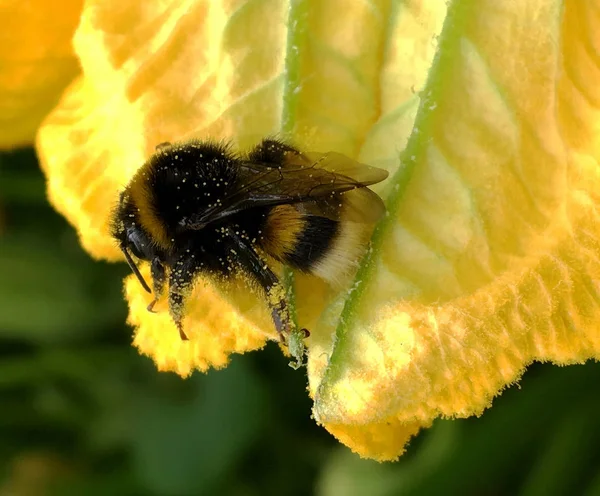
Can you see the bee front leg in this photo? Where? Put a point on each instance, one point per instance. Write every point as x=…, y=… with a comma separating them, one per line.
x=181, y=280
x=158, y=281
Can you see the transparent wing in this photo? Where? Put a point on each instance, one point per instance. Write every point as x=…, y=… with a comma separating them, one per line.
x=358, y=205
x=316, y=179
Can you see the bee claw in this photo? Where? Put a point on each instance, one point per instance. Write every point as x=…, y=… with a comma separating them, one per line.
x=306, y=332
x=150, y=307
x=182, y=334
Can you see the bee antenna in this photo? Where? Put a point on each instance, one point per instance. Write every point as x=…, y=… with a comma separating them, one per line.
x=134, y=268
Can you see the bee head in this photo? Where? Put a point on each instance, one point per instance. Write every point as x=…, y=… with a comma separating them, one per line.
x=137, y=242
x=134, y=240
x=131, y=238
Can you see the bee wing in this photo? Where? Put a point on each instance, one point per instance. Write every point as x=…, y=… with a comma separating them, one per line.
x=338, y=164
x=358, y=205
x=317, y=179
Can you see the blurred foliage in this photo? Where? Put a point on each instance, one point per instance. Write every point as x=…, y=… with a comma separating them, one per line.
x=82, y=413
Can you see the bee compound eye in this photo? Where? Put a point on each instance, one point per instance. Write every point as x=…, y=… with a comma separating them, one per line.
x=135, y=250
x=136, y=244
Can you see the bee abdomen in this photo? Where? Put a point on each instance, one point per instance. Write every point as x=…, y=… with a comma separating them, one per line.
x=296, y=238
x=324, y=247
x=313, y=243
x=282, y=229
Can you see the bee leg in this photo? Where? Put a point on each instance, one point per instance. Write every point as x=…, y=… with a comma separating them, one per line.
x=181, y=280
x=176, y=306
x=279, y=313
x=158, y=282
x=164, y=144
x=274, y=290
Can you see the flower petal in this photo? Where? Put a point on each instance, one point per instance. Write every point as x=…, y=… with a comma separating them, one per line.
x=36, y=64
x=215, y=329
x=489, y=258
x=156, y=72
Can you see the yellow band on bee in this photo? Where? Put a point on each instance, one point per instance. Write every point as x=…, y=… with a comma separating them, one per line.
x=142, y=199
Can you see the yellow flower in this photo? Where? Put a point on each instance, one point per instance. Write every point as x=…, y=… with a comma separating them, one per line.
x=486, y=113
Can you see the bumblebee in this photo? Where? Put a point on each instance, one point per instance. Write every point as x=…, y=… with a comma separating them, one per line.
x=198, y=208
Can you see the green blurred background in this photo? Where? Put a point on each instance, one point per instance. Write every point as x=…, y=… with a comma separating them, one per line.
x=82, y=413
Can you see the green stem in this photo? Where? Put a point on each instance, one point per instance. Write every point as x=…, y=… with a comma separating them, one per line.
x=298, y=12
x=297, y=20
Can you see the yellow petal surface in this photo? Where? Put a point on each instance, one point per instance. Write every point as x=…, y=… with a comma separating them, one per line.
x=490, y=256
x=36, y=64
x=215, y=327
